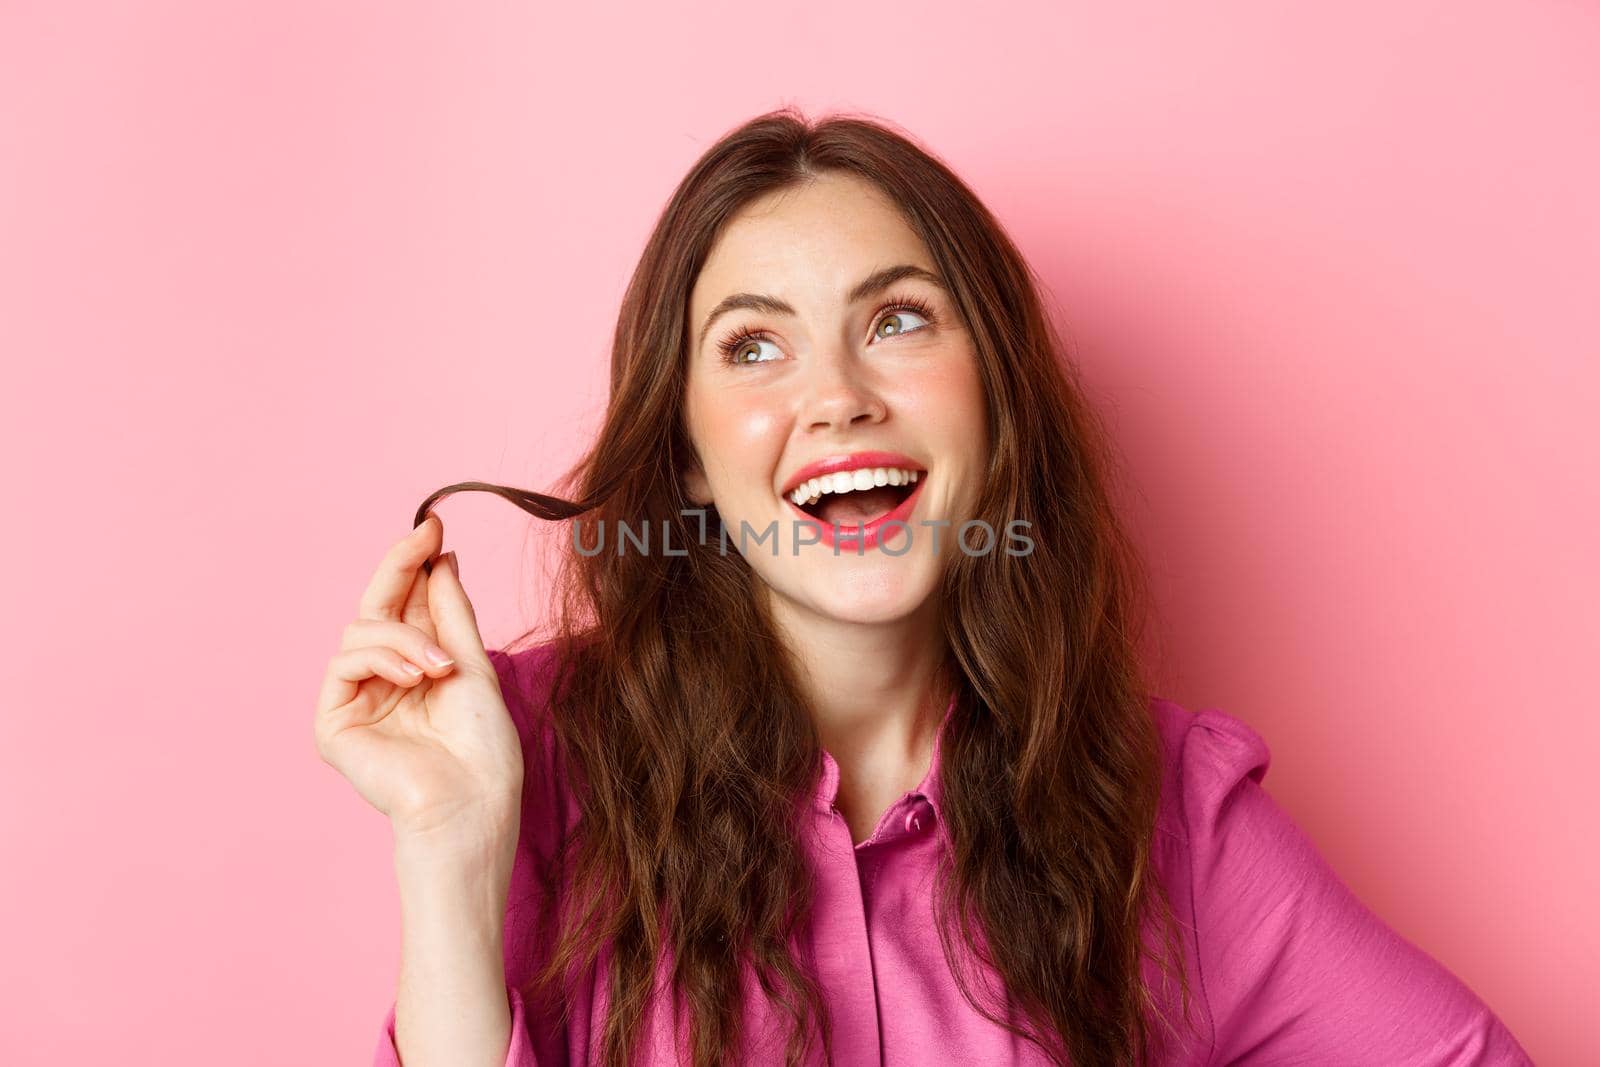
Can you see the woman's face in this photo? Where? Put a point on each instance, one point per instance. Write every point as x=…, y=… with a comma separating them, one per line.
x=804, y=380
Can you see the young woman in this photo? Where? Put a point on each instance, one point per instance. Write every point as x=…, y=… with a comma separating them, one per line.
x=842, y=752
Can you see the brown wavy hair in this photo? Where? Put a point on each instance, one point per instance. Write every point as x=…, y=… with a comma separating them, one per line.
x=691, y=739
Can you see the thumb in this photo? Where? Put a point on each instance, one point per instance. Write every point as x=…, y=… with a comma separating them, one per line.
x=454, y=621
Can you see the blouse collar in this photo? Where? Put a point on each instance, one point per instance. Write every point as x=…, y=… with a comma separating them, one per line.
x=929, y=788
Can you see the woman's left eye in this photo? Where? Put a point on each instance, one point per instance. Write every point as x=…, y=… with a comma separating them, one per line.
x=895, y=322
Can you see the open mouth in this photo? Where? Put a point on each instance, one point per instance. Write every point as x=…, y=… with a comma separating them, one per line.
x=856, y=497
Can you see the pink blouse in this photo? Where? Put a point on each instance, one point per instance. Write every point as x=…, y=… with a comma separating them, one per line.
x=1285, y=964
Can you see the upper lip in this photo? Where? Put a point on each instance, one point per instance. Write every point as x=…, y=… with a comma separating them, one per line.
x=849, y=462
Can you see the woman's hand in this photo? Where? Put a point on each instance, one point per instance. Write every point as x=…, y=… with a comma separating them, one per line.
x=430, y=745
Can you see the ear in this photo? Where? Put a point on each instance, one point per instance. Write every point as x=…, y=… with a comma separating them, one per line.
x=696, y=485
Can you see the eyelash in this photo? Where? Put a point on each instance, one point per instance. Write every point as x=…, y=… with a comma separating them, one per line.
x=734, y=341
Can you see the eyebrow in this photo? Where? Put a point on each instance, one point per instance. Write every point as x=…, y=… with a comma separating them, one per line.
x=872, y=284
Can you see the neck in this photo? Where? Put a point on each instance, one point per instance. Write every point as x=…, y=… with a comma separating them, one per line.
x=875, y=690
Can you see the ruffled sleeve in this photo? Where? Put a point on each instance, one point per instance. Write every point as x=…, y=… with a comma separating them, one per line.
x=1294, y=968
x=527, y=682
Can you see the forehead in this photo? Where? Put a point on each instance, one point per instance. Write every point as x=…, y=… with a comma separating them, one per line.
x=818, y=237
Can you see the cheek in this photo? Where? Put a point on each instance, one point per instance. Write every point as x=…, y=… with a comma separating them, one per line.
x=745, y=430
x=949, y=400
x=737, y=433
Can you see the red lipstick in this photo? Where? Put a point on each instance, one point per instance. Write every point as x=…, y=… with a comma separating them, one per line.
x=868, y=535
x=853, y=461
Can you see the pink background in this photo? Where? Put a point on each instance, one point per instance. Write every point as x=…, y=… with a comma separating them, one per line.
x=270, y=273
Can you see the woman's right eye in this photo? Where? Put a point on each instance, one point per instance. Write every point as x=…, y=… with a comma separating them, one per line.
x=748, y=350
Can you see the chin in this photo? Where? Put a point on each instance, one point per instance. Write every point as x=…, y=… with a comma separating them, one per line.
x=871, y=615
x=864, y=595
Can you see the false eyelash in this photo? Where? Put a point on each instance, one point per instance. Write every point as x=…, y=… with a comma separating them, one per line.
x=731, y=343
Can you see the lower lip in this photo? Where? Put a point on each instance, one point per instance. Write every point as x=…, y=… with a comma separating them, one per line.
x=861, y=538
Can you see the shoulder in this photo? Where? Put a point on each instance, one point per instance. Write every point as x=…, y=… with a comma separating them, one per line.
x=1208, y=756
x=1294, y=968
x=1250, y=866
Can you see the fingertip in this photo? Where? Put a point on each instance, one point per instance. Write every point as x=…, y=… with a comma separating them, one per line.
x=446, y=560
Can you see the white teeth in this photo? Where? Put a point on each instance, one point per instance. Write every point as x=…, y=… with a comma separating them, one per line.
x=812, y=489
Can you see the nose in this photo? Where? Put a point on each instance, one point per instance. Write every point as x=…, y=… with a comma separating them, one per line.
x=839, y=397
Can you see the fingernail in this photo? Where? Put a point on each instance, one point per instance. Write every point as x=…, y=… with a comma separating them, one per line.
x=437, y=656
x=455, y=568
